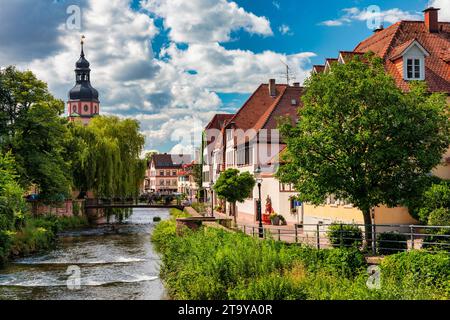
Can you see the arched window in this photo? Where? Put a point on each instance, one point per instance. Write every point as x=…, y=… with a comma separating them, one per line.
x=86, y=108
x=74, y=108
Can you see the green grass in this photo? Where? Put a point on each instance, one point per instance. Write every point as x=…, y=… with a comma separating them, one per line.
x=216, y=264
x=40, y=233
x=176, y=213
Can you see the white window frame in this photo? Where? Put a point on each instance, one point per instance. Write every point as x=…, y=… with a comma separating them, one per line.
x=421, y=57
x=421, y=69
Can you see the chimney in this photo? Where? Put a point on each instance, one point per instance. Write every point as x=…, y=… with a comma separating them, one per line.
x=297, y=84
x=272, y=88
x=378, y=29
x=431, y=19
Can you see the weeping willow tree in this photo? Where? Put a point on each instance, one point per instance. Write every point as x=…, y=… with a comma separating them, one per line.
x=108, y=157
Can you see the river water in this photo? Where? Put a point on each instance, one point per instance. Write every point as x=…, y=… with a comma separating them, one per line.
x=102, y=263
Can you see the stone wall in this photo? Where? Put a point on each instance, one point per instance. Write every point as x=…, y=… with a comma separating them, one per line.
x=61, y=209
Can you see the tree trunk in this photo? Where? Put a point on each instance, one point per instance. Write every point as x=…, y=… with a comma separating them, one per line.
x=367, y=227
x=233, y=206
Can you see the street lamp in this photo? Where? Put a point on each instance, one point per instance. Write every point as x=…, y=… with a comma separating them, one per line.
x=259, y=181
x=211, y=185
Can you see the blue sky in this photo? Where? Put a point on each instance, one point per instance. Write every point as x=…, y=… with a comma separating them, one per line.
x=173, y=64
x=303, y=19
x=306, y=33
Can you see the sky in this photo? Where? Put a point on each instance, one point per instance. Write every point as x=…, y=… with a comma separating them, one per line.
x=173, y=64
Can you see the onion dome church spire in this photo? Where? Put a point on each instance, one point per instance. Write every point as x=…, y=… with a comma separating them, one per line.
x=83, y=98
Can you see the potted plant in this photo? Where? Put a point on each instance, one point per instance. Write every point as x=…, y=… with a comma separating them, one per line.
x=282, y=220
x=275, y=219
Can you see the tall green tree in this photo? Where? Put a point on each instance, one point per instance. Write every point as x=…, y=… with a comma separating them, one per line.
x=11, y=194
x=33, y=129
x=149, y=155
x=362, y=139
x=233, y=187
x=108, y=161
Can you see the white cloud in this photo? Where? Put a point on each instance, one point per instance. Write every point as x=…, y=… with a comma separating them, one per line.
x=233, y=71
x=175, y=93
x=355, y=14
x=285, y=30
x=332, y=23
x=206, y=20
x=118, y=46
x=444, y=5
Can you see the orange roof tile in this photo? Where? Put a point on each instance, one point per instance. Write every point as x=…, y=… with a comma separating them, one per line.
x=218, y=121
x=262, y=110
x=389, y=42
x=319, y=68
x=349, y=55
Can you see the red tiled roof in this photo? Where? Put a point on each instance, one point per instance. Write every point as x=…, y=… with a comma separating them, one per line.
x=218, y=121
x=285, y=107
x=446, y=56
x=349, y=55
x=399, y=50
x=319, y=68
x=388, y=42
x=261, y=110
x=255, y=107
x=331, y=60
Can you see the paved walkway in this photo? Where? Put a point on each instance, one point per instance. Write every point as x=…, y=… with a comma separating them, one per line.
x=287, y=233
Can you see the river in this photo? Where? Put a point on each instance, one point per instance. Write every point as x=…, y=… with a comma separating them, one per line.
x=112, y=263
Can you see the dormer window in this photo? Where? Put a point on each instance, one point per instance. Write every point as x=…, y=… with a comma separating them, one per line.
x=410, y=56
x=413, y=69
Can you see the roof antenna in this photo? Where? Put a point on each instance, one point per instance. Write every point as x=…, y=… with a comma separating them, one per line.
x=288, y=73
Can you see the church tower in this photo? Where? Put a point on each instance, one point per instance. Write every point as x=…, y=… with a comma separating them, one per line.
x=83, y=102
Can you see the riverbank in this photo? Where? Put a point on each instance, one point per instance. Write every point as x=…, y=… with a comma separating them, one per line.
x=214, y=264
x=36, y=234
x=116, y=263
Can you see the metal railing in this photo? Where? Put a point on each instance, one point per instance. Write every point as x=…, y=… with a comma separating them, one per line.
x=383, y=239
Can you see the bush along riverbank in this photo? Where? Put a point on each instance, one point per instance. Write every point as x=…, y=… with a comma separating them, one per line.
x=35, y=234
x=216, y=264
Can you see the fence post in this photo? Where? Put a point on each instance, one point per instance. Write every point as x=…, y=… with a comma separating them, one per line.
x=341, y=236
x=318, y=235
x=412, y=237
x=374, y=239
x=253, y=231
x=296, y=233
x=279, y=234
x=245, y=231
